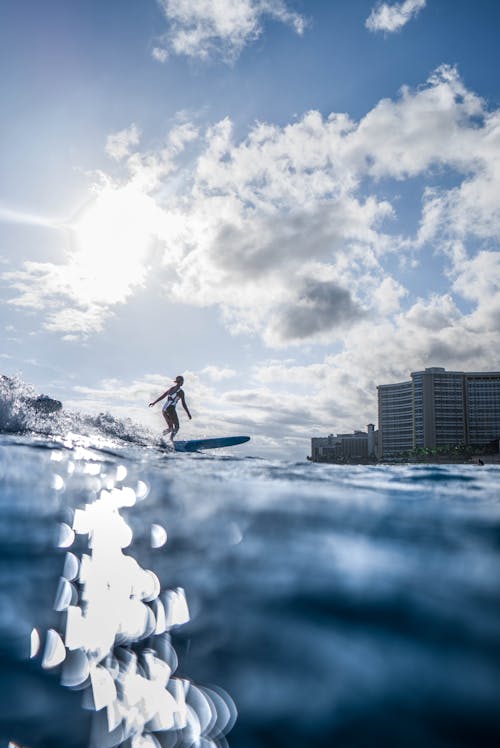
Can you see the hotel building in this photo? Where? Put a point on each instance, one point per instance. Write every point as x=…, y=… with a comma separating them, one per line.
x=357, y=447
x=438, y=408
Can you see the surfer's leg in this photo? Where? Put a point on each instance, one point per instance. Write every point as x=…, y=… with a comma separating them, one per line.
x=168, y=420
x=174, y=422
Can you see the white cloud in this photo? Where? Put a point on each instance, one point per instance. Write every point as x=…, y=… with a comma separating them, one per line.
x=54, y=292
x=119, y=144
x=111, y=239
x=477, y=279
x=288, y=206
x=217, y=373
x=180, y=136
x=204, y=28
x=75, y=323
x=392, y=17
x=293, y=232
x=159, y=54
x=39, y=285
x=432, y=127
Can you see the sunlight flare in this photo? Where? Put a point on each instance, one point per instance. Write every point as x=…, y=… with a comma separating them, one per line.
x=113, y=237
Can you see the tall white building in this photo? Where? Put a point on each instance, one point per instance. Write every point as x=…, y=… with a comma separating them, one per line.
x=482, y=404
x=395, y=418
x=439, y=408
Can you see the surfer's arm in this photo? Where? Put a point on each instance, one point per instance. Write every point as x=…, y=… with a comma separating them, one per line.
x=159, y=398
x=183, y=401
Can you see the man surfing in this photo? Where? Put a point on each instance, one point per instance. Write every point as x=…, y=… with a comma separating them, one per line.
x=173, y=395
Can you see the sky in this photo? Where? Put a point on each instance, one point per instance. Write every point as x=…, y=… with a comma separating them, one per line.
x=289, y=202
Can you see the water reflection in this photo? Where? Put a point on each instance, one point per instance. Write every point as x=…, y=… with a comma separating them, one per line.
x=115, y=643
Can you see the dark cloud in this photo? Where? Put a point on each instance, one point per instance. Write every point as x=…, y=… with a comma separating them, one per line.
x=320, y=306
x=450, y=355
x=267, y=243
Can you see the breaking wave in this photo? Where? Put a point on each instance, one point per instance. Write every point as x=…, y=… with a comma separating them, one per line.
x=23, y=410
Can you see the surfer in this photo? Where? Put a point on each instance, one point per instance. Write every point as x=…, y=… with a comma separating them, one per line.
x=173, y=395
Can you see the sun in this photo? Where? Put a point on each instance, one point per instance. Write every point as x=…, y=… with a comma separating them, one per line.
x=113, y=236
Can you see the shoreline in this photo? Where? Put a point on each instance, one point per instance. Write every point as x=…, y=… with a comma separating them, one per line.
x=480, y=461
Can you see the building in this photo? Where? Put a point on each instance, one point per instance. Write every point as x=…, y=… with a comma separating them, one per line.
x=439, y=409
x=482, y=407
x=395, y=417
x=359, y=446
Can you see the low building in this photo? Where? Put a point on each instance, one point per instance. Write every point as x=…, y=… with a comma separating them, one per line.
x=359, y=446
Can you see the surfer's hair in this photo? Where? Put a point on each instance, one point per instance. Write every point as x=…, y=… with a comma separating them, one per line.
x=179, y=380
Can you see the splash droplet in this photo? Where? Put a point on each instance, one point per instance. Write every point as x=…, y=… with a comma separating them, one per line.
x=57, y=482
x=121, y=472
x=34, y=643
x=158, y=536
x=55, y=651
x=66, y=536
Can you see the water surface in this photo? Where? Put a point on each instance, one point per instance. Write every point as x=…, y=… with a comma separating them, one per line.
x=149, y=598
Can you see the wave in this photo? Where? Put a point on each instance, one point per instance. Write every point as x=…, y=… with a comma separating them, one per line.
x=23, y=410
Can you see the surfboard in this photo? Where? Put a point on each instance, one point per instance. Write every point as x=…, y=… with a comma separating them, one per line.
x=196, y=445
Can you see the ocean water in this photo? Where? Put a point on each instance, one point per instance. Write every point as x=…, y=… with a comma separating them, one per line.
x=149, y=598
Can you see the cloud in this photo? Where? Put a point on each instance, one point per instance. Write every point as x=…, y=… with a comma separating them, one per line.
x=340, y=391
x=39, y=285
x=477, y=279
x=119, y=144
x=54, y=292
x=441, y=124
x=111, y=240
x=159, y=54
x=293, y=231
x=320, y=306
x=217, y=374
x=222, y=28
x=391, y=18
x=303, y=201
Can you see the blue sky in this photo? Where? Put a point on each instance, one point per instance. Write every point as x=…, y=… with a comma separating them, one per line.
x=288, y=202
